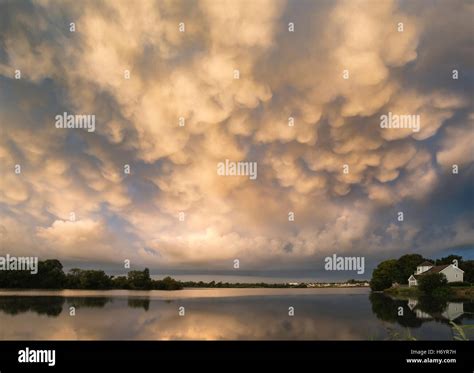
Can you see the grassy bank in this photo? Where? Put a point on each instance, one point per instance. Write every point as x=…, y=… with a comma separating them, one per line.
x=457, y=293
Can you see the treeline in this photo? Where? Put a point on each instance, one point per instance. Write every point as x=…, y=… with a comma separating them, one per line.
x=51, y=276
x=213, y=284
x=399, y=270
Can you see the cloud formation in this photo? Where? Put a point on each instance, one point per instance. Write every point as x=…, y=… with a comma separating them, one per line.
x=189, y=78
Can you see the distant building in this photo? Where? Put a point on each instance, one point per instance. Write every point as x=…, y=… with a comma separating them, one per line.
x=451, y=271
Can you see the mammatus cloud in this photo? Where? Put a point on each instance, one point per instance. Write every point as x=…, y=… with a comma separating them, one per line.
x=161, y=80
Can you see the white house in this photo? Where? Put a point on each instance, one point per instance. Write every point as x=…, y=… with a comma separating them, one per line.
x=451, y=271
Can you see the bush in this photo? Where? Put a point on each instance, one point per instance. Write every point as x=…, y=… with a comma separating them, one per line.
x=429, y=282
x=459, y=283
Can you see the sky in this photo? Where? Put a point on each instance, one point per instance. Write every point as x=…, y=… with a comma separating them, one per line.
x=176, y=87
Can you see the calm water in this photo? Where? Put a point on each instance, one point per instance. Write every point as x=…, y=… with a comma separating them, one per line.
x=328, y=314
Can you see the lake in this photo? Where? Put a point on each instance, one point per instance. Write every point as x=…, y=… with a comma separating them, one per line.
x=226, y=314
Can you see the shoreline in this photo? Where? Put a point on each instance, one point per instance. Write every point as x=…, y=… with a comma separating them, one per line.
x=458, y=293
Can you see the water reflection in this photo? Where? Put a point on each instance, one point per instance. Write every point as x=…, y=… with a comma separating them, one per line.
x=88, y=302
x=318, y=315
x=139, y=303
x=387, y=309
x=53, y=306
x=417, y=311
x=50, y=306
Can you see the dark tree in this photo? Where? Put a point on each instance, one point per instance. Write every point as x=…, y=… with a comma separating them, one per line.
x=88, y=279
x=120, y=282
x=50, y=276
x=468, y=268
x=384, y=275
x=167, y=283
x=448, y=260
x=407, y=266
x=140, y=280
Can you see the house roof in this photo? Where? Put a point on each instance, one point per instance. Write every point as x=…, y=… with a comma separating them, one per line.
x=435, y=269
x=425, y=264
